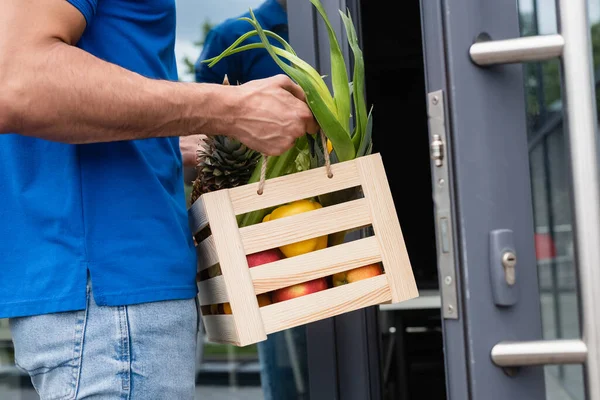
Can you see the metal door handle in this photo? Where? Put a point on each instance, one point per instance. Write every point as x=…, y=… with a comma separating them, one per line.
x=574, y=48
x=530, y=48
x=541, y=352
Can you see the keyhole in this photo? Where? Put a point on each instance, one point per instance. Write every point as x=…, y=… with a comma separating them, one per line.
x=509, y=261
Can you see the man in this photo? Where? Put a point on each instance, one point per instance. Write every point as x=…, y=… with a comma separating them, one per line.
x=283, y=372
x=248, y=65
x=97, y=269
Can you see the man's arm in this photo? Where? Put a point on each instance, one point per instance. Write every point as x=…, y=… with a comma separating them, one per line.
x=53, y=90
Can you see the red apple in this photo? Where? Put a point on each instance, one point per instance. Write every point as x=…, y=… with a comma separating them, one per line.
x=256, y=259
x=299, y=290
x=357, y=274
x=264, y=257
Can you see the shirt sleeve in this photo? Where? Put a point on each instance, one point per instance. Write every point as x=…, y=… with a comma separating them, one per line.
x=86, y=7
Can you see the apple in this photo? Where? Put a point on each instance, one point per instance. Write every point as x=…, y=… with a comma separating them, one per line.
x=264, y=257
x=357, y=274
x=254, y=259
x=299, y=290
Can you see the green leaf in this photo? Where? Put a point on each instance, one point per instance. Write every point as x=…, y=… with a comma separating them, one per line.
x=367, y=144
x=339, y=74
x=325, y=116
x=296, y=62
x=358, y=81
x=245, y=37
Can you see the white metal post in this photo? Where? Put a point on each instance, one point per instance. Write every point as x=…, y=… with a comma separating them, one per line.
x=580, y=113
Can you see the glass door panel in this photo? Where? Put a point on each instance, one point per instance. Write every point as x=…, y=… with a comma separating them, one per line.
x=551, y=194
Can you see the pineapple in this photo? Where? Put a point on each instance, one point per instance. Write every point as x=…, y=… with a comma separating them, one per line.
x=223, y=163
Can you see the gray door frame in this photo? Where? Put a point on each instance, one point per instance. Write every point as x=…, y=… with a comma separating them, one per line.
x=488, y=189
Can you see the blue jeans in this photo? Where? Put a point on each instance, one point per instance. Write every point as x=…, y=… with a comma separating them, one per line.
x=138, y=352
x=283, y=361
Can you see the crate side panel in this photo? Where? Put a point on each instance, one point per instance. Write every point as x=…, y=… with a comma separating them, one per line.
x=387, y=228
x=293, y=187
x=221, y=329
x=212, y=291
x=206, y=254
x=307, y=225
x=316, y=264
x=234, y=267
x=326, y=303
x=197, y=216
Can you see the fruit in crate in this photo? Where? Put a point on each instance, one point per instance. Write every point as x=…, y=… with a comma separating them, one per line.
x=357, y=274
x=214, y=270
x=264, y=257
x=264, y=299
x=301, y=289
x=222, y=163
x=293, y=208
x=215, y=309
x=254, y=260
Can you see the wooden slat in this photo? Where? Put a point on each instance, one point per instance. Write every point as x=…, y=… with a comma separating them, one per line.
x=206, y=253
x=221, y=329
x=323, y=221
x=292, y=187
x=387, y=228
x=317, y=264
x=197, y=216
x=325, y=304
x=232, y=259
x=212, y=291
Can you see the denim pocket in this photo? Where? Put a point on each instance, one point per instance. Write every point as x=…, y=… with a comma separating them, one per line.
x=48, y=347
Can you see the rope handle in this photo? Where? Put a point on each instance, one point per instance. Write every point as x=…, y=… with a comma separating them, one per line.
x=263, y=169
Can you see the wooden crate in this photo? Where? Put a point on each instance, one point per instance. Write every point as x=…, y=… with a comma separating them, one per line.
x=228, y=245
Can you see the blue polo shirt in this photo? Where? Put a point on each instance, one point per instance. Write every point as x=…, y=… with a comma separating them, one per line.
x=248, y=65
x=117, y=210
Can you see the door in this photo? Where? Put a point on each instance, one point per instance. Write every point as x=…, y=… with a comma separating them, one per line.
x=516, y=200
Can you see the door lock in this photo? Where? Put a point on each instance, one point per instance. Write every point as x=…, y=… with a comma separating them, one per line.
x=509, y=261
x=503, y=267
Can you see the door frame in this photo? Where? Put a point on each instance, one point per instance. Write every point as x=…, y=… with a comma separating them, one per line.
x=488, y=189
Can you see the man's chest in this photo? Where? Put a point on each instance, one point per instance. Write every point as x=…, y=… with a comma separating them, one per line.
x=143, y=10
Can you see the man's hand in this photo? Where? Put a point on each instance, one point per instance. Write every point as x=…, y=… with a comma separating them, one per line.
x=189, y=149
x=270, y=114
